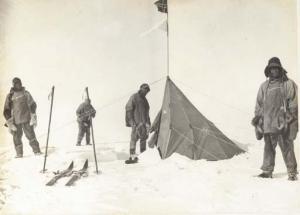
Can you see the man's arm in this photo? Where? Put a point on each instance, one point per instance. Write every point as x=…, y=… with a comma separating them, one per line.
x=7, y=107
x=292, y=99
x=92, y=111
x=129, y=112
x=31, y=103
x=79, y=111
x=258, y=106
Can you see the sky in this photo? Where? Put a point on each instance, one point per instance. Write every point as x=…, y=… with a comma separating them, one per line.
x=218, y=51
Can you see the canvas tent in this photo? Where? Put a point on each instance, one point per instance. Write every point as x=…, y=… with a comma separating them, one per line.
x=179, y=127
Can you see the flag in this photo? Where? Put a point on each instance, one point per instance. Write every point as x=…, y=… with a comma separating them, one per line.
x=51, y=93
x=162, y=25
x=162, y=6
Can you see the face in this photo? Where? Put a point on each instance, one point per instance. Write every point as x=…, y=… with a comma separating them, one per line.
x=18, y=86
x=144, y=91
x=275, y=72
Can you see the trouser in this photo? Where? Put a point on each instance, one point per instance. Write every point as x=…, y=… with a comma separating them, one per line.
x=287, y=148
x=30, y=135
x=138, y=133
x=84, y=130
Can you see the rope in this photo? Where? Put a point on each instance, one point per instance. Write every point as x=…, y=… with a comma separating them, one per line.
x=103, y=106
x=208, y=96
x=220, y=102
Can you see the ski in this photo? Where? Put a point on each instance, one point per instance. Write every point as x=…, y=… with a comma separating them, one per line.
x=61, y=174
x=76, y=175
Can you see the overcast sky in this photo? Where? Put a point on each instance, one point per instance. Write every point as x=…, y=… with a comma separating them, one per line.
x=218, y=52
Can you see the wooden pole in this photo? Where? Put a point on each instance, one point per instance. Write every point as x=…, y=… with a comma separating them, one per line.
x=48, y=133
x=92, y=129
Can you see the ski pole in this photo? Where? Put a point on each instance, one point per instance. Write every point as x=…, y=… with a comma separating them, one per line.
x=92, y=129
x=48, y=133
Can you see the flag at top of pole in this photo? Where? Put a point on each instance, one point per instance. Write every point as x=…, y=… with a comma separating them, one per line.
x=162, y=6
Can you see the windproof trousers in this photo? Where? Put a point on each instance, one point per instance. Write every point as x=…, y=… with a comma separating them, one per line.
x=30, y=135
x=287, y=148
x=138, y=133
x=84, y=130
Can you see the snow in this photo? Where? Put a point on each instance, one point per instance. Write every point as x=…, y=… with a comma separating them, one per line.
x=176, y=185
x=107, y=54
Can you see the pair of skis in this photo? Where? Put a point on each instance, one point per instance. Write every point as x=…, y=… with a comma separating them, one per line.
x=76, y=175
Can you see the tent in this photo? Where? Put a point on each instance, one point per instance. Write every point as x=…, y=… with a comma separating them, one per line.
x=179, y=127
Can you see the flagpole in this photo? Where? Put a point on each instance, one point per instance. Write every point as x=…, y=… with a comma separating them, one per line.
x=168, y=51
x=162, y=6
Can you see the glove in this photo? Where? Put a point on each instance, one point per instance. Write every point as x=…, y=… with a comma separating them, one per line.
x=259, y=130
x=33, y=120
x=255, y=120
x=11, y=126
x=132, y=123
x=148, y=128
x=85, y=124
x=79, y=120
x=290, y=117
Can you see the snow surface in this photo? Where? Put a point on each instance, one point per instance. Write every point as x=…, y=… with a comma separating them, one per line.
x=176, y=185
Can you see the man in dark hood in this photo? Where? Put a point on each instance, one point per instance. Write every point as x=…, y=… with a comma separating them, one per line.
x=137, y=117
x=20, y=114
x=85, y=112
x=276, y=114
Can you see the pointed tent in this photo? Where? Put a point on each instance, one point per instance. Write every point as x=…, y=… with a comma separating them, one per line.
x=180, y=127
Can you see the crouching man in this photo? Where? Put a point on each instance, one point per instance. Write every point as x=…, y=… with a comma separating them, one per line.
x=20, y=114
x=85, y=112
x=137, y=117
x=276, y=118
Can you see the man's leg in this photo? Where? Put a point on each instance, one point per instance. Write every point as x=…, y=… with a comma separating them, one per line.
x=143, y=136
x=134, y=139
x=287, y=149
x=80, y=133
x=17, y=137
x=143, y=145
x=88, y=134
x=269, y=154
x=30, y=135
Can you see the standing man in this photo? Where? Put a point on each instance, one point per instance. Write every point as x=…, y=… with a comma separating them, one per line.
x=20, y=114
x=84, y=113
x=137, y=117
x=276, y=113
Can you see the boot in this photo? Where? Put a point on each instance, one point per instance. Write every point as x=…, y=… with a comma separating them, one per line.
x=78, y=144
x=132, y=160
x=265, y=175
x=19, y=151
x=293, y=177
